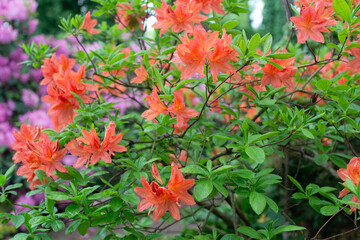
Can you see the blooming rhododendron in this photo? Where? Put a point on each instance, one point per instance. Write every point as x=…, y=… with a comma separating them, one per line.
x=35, y=150
x=206, y=5
x=220, y=57
x=312, y=21
x=129, y=20
x=141, y=75
x=89, y=24
x=182, y=113
x=278, y=77
x=163, y=199
x=182, y=18
x=89, y=146
x=352, y=172
x=193, y=52
x=156, y=106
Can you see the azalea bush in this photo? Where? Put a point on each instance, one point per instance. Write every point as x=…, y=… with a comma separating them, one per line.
x=195, y=123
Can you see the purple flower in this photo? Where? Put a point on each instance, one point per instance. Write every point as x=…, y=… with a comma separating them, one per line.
x=5, y=74
x=37, y=117
x=36, y=74
x=7, y=33
x=6, y=134
x=33, y=25
x=17, y=9
x=5, y=112
x=29, y=98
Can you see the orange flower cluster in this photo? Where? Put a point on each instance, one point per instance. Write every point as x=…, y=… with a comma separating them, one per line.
x=182, y=18
x=89, y=147
x=351, y=172
x=35, y=150
x=89, y=24
x=206, y=5
x=62, y=82
x=178, y=108
x=313, y=20
x=278, y=77
x=141, y=75
x=163, y=199
x=194, y=52
x=128, y=18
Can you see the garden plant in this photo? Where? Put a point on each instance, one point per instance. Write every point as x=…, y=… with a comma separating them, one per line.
x=180, y=118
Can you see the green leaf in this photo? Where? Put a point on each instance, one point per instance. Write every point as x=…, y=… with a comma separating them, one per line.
x=17, y=220
x=194, y=169
x=223, y=169
x=307, y=133
x=57, y=196
x=72, y=210
x=296, y=183
x=320, y=159
x=73, y=226
x=10, y=171
x=342, y=9
x=287, y=228
x=267, y=44
x=254, y=42
x=2, y=180
x=258, y=137
x=323, y=84
x=257, y=202
x=256, y=154
x=203, y=189
x=281, y=55
x=329, y=210
x=221, y=189
x=272, y=204
x=57, y=225
x=248, y=231
x=130, y=198
x=230, y=24
x=115, y=204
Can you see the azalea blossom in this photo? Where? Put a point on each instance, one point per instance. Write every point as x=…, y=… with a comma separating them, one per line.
x=165, y=198
x=141, y=75
x=278, y=77
x=182, y=113
x=89, y=24
x=182, y=18
x=206, y=5
x=313, y=20
x=221, y=55
x=128, y=18
x=35, y=150
x=193, y=52
x=352, y=172
x=89, y=149
x=156, y=106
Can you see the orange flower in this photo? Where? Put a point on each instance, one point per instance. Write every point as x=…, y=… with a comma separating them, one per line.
x=182, y=18
x=277, y=77
x=62, y=102
x=206, y=5
x=193, y=52
x=89, y=24
x=93, y=149
x=352, y=172
x=52, y=66
x=221, y=55
x=312, y=21
x=141, y=75
x=128, y=18
x=35, y=150
x=163, y=199
x=156, y=106
x=182, y=114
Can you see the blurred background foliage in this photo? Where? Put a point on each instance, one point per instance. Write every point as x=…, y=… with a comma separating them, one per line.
x=50, y=11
